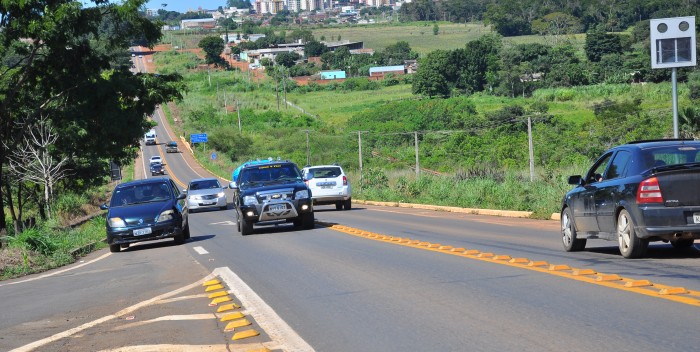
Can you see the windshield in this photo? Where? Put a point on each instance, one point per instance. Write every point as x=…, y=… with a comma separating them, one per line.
x=680, y=154
x=136, y=194
x=274, y=173
x=323, y=172
x=205, y=184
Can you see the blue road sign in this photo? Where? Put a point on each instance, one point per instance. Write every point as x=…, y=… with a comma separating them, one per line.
x=213, y=156
x=198, y=138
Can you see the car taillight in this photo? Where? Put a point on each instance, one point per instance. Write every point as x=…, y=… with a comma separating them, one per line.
x=649, y=191
x=345, y=181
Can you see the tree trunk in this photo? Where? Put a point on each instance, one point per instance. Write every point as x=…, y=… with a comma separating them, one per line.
x=3, y=224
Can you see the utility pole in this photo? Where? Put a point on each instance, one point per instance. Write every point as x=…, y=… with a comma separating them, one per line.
x=359, y=143
x=308, y=150
x=240, y=128
x=531, y=149
x=415, y=137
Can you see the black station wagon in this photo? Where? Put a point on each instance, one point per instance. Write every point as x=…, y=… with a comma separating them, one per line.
x=636, y=193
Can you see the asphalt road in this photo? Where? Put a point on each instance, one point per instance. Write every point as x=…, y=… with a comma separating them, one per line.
x=388, y=279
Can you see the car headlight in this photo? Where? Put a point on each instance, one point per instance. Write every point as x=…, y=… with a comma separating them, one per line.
x=250, y=200
x=116, y=222
x=220, y=194
x=194, y=197
x=166, y=216
x=302, y=194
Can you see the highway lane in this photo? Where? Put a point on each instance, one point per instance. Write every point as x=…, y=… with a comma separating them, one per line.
x=343, y=292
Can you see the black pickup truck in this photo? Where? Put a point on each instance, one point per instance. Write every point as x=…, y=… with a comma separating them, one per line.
x=270, y=192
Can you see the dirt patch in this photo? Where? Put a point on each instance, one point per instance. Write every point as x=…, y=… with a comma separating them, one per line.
x=12, y=257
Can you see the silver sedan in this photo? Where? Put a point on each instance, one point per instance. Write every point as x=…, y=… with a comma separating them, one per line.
x=205, y=193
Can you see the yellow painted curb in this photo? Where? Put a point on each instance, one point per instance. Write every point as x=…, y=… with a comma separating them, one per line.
x=245, y=334
x=214, y=288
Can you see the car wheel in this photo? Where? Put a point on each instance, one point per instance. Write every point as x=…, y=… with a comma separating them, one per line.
x=186, y=231
x=223, y=207
x=630, y=245
x=684, y=243
x=339, y=206
x=568, y=233
x=307, y=221
x=123, y=246
x=114, y=248
x=347, y=204
x=180, y=239
x=246, y=227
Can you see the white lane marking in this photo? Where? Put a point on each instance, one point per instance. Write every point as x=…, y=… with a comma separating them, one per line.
x=36, y=344
x=172, y=348
x=53, y=273
x=200, y=250
x=208, y=316
x=226, y=223
x=282, y=334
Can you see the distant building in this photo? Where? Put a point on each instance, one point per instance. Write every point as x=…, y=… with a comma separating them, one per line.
x=346, y=43
x=381, y=71
x=332, y=74
x=198, y=23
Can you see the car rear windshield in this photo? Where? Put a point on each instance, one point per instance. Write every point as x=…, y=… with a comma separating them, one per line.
x=205, y=184
x=144, y=193
x=324, y=172
x=670, y=155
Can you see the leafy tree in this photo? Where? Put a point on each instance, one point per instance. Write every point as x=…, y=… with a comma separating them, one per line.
x=557, y=23
x=505, y=20
x=431, y=78
x=287, y=59
x=436, y=29
x=396, y=54
x=599, y=43
x=314, y=48
x=213, y=46
x=69, y=64
x=239, y=4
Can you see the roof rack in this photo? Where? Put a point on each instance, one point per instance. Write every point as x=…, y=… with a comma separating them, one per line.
x=662, y=140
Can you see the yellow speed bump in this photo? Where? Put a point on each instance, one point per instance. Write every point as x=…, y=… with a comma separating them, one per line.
x=214, y=288
x=227, y=307
x=237, y=324
x=519, y=261
x=232, y=316
x=218, y=300
x=638, y=283
x=673, y=291
x=538, y=263
x=218, y=294
x=245, y=334
x=608, y=277
x=211, y=282
x=581, y=272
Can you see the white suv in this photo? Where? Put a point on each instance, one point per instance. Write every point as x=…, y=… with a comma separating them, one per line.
x=329, y=185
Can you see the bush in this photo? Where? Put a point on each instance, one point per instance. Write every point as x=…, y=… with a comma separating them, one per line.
x=35, y=239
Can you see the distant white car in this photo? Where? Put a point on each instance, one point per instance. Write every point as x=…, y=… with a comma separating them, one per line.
x=329, y=185
x=155, y=159
x=150, y=137
x=205, y=193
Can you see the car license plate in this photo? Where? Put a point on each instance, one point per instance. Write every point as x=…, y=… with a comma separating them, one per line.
x=326, y=187
x=696, y=218
x=144, y=231
x=277, y=207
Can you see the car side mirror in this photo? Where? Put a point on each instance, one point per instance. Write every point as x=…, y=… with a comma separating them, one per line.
x=104, y=207
x=575, y=180
x=233, y=185
x=181, y=196
x=184, y=190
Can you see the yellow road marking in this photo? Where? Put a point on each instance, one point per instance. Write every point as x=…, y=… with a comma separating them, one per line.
x=643, y=287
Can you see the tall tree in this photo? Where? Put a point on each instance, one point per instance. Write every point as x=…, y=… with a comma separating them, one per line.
x=213, y=46
x=70, y=63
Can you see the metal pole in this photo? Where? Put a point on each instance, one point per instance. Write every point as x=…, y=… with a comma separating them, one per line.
x=674, y=83
x=238, y=110
x=359, y=143
x=531, y=149
x=308, y=151
x=415, y=137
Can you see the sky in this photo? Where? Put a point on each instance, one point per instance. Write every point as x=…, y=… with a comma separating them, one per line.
x=183, y=5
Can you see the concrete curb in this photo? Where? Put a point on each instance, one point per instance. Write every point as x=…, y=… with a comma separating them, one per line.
x=475, y=211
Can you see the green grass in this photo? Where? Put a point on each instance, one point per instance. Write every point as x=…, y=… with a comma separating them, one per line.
x=336, y=107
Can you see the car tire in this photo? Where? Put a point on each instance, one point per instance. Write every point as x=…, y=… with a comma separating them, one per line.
x=180, y=239
x=338, y=205
x=246, y=227
x=114, y=248
x=630, y=245
x=307, y=221
x=568, y=233
x=683, y=243
x=347, y=204
x=223, y=207
x=186, y=231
